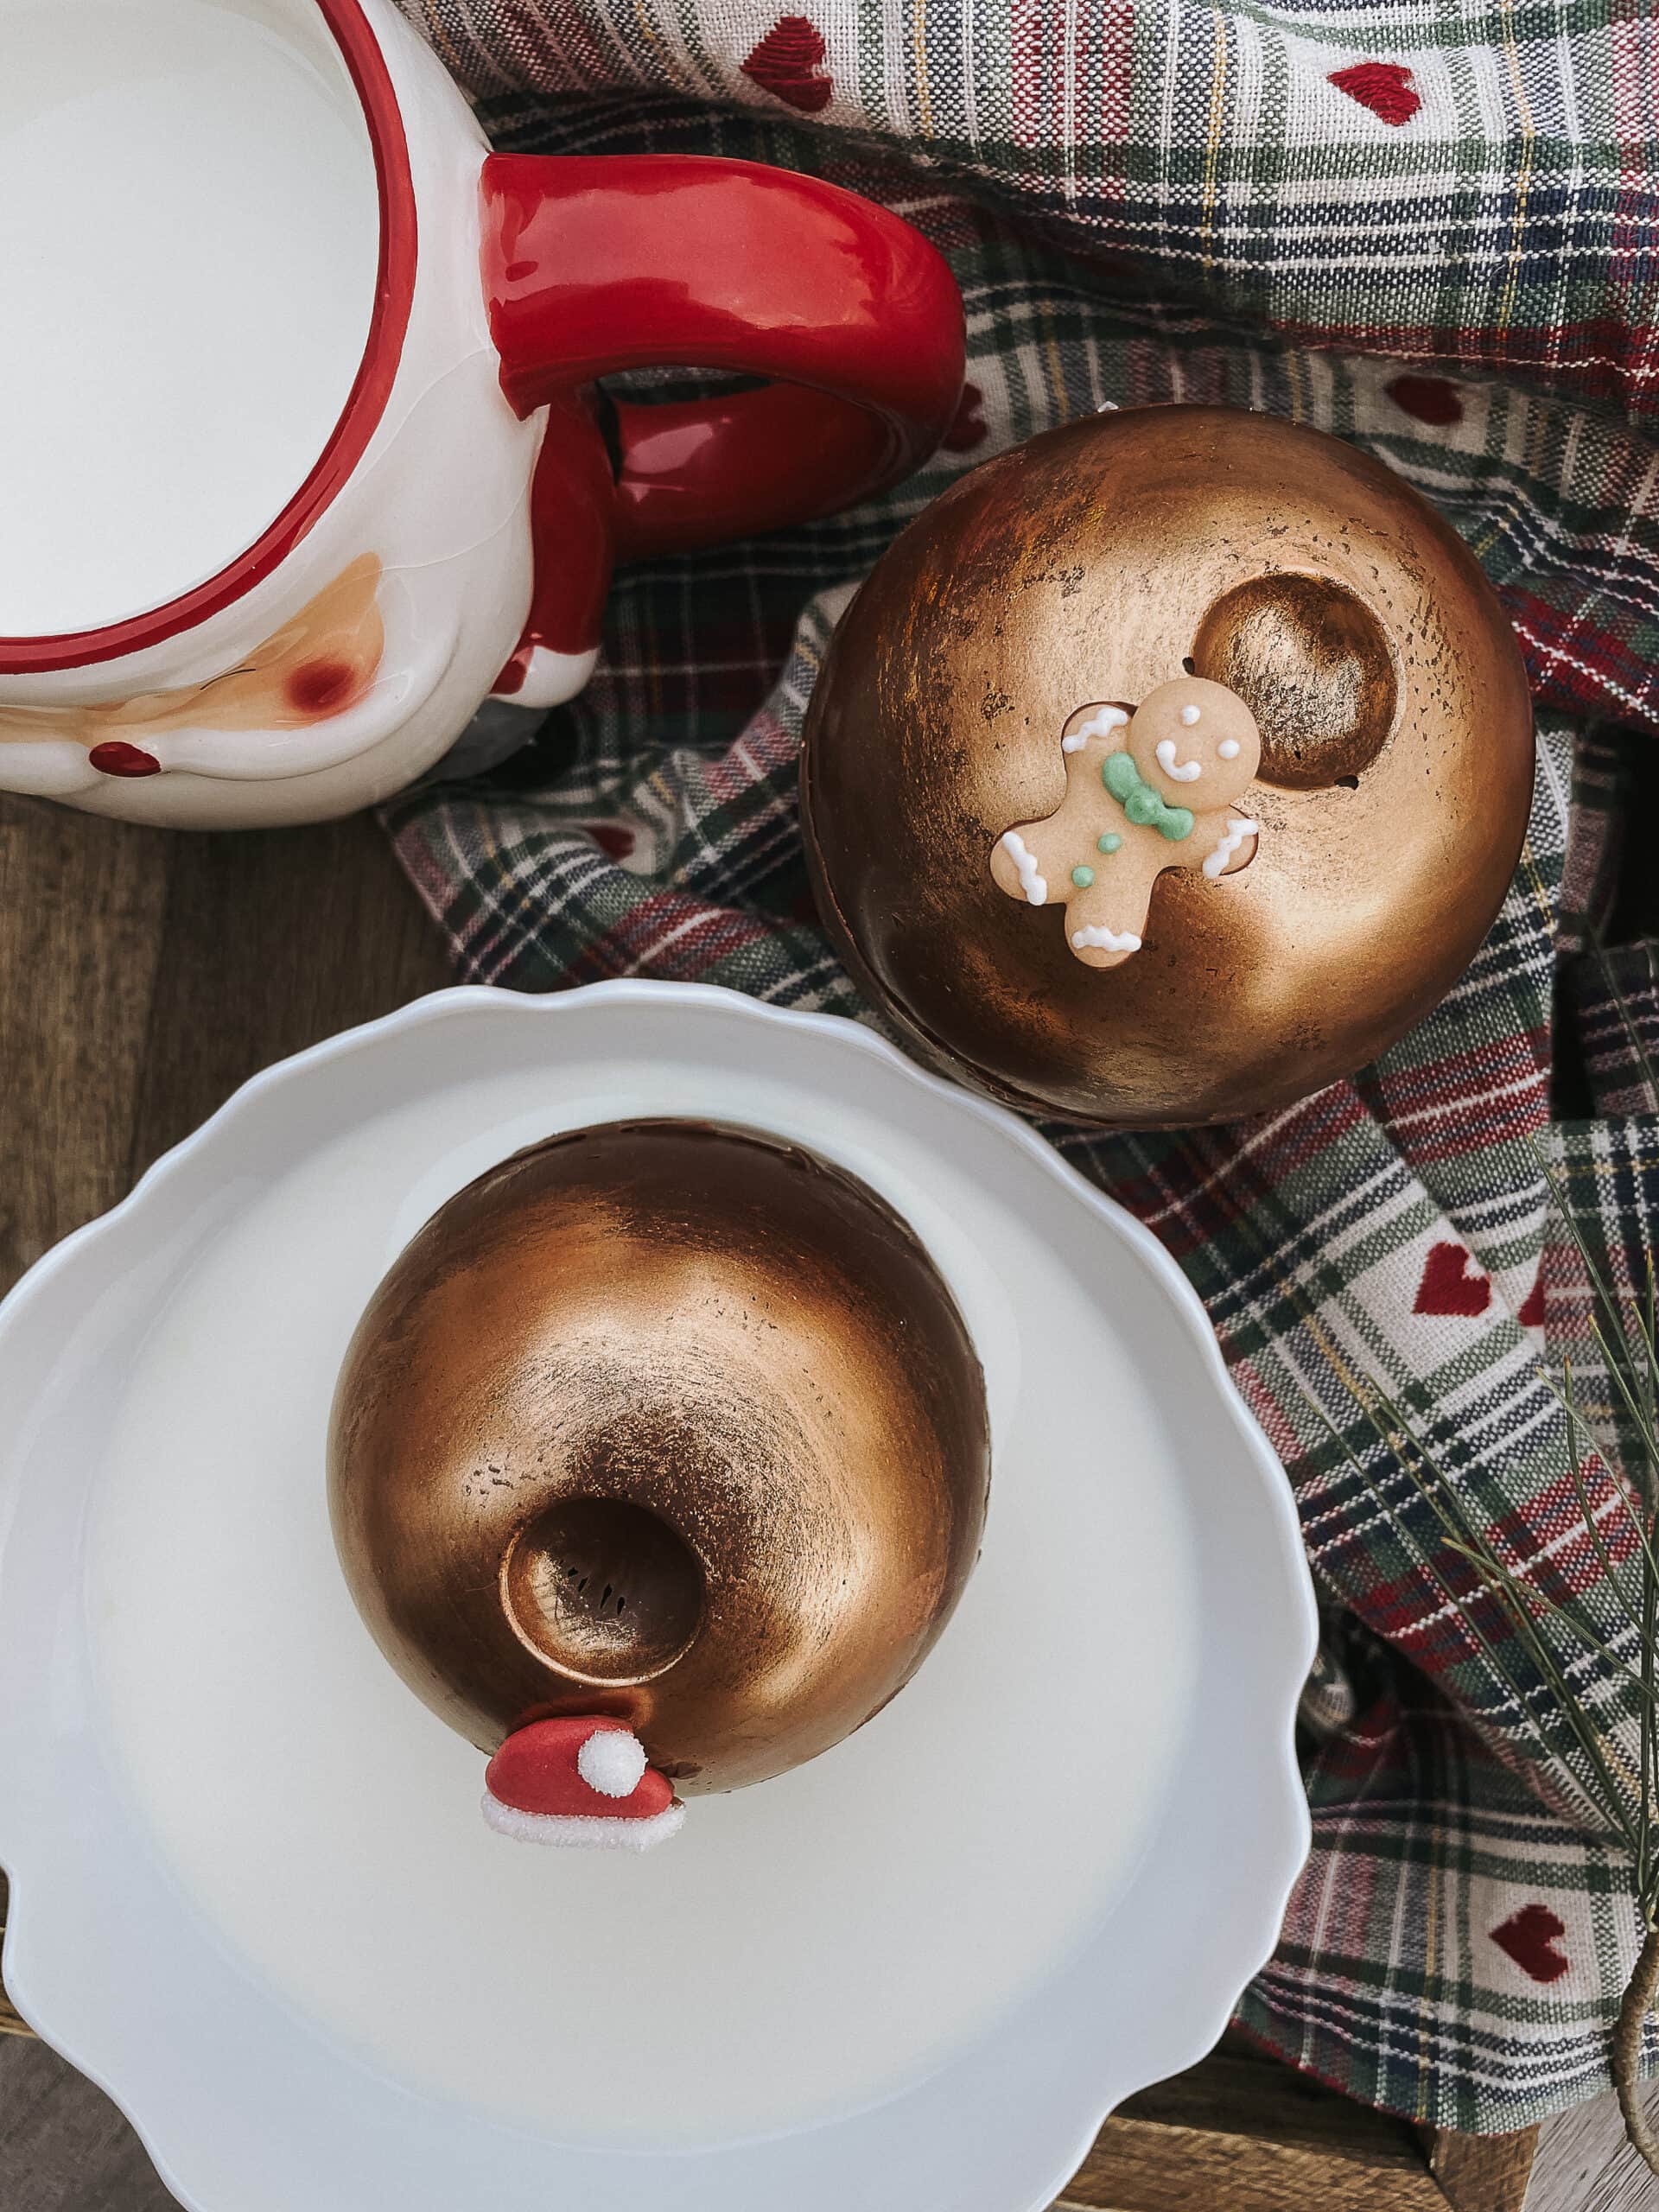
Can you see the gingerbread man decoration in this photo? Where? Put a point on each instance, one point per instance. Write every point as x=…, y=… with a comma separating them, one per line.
x=1144, y=791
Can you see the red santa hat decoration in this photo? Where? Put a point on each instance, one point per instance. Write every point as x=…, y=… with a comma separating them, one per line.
x=585, y=1785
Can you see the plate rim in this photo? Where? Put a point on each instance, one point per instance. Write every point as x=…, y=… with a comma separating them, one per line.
x=1204, y=2010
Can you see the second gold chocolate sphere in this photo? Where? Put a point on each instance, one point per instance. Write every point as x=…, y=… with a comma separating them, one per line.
x=1088, y=568
x=665, y=1423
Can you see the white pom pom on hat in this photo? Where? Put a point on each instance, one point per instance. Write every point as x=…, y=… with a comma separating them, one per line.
x=611, y=1761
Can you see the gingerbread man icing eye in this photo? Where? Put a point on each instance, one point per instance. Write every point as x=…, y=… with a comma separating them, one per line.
x=1147, y=791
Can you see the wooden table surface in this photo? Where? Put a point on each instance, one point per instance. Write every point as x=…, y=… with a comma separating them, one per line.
x=143, y=977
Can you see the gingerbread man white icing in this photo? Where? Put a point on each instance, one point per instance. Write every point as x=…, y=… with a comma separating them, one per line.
x=1147, y=791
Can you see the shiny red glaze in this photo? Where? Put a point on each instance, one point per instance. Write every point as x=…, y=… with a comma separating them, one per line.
x=704, y=470
x=115, y=757
x=511, y=678
x=377, y=372
x=597, y=264
x=573, y=522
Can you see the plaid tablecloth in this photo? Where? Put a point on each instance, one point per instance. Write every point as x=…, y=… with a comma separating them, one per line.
x=1431, y=228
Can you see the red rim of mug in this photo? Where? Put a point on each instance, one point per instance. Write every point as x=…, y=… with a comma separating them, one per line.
x=359, y=418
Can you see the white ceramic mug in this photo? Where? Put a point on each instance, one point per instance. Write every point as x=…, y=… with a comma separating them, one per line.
x=301, y=443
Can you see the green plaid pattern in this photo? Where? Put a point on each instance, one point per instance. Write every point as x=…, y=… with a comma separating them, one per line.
x=1179, y=203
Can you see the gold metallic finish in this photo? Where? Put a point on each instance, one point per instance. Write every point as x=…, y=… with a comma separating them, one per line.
x=1312, y=662
x=1096, y=563
x=668, y=1422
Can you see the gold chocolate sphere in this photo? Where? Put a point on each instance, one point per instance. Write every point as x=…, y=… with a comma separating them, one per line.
x=1007, y=852
x=667, y=1422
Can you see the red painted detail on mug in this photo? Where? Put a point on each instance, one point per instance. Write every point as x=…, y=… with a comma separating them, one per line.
x=1430, y=399
x=786, y=64
x=970, y=428
x=1452, y=1284
x=1384, y=87
x=511, y=678
x=1529, y=1937
x=322, y=687
x=612, y=838
x=116, y=758
x=1531, y=1315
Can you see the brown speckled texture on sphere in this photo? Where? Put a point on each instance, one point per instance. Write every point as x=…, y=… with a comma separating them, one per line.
x=1092, y=563
x=666, y=1422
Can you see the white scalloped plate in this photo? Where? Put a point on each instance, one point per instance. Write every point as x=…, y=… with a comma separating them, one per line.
x=251, y=1893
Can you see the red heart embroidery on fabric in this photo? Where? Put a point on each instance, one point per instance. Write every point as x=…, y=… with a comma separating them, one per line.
x=786, y=64
x=1384, y=87
x=1528, y=1936
x=1452, y=1284
x=1431, y=399
x=969, y=429
x=1531, y=1315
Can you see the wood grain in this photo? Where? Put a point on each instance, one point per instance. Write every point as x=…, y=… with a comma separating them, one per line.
x=63, y=2145
x=272, y=940
x=11, y=2021
x=82, y=903
x=1585, y=2164
x=1239, y=2090
x=1135, y=2167
x=1481, y=2173
x=1250, y=2135
x=145, y=975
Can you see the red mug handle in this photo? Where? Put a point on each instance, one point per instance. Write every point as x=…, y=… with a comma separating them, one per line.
x=598, y=264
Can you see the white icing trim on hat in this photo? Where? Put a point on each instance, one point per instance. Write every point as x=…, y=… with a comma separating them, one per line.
x=612, y=1762
x=1184, y=771
x=1034, y=885
x=1102, y=940
x=583, y=1831
x=1230, y=840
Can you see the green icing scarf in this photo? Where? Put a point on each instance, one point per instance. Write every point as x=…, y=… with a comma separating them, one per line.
x=1140, y=803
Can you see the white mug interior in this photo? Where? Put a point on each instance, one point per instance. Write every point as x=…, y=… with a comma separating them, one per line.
x=189, y=251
